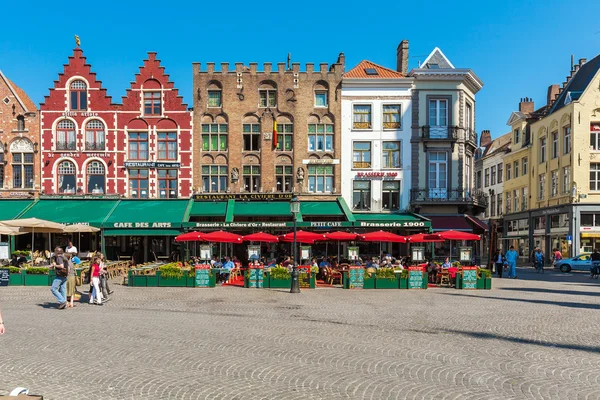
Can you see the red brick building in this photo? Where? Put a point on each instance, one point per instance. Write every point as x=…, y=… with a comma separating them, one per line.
x=92, y=146
x=19, y=138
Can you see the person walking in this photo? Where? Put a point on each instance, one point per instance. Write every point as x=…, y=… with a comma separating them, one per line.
x=595, y=258
x=59, y=285
x=96, y=296
x=539, y=260
x=71, y=280
x=104, y=278
x=512, y=256
x=2, y=330
x=499, y=261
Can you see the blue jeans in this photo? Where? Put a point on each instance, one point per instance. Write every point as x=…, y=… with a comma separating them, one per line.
x=59, y=289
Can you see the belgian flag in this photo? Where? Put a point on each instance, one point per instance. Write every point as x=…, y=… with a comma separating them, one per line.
x=275, y=143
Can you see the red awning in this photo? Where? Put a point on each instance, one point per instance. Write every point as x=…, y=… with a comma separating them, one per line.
x=455, y=235
x=476, y=221
x=302, y=237
x=424, y=238
x=341, y=236
x=222, y=237
x=382, y=236
x=261, y=237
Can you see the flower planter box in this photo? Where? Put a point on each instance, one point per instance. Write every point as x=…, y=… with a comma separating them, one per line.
x=16, y=279
x=386, y=283
x=169, y=282
x=480, y=283
x=267, y=280
x=488, y=283
x=139, y=280
x=425, y=280
x=280, y=283
x=37, y=280
x=152, y=280
x=404, y=283
x=190, y=281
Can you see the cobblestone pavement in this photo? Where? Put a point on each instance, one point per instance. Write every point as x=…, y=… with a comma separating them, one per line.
x=536, y=337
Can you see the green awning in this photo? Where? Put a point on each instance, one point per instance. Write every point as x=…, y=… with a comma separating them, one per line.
x=91, y=212
x=147, y=214
x=141, y=232
x=262, y=209
x=321, y=208
x=11, y=209
x=209, y=209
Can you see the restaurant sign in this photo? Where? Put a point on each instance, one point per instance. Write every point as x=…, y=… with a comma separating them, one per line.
x=243, y=196
x=81, y=197
x=151, y=164
x=415, y=277
x=142, y=225
x=267, y=225
x=406, y=224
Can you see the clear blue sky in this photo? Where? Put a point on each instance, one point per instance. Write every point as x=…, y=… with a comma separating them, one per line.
x=517, y=47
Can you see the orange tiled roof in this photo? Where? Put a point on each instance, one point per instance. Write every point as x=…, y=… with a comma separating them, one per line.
x=30, y=105
x=382, y=72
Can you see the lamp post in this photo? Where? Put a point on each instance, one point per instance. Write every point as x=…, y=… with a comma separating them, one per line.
x=295, y=209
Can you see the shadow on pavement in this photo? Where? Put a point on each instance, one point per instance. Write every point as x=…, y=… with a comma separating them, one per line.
x=49, y=305
x=552, y=303
x=554, y=291
x=492, y=336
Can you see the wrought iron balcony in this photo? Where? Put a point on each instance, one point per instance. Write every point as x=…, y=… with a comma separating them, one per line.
x=65, y=146
x=439, y=132
x=471, y=136
x=474, y=197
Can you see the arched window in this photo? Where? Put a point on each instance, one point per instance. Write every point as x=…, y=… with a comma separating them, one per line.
x=65, y=135
x=22, y=163
x=78, y=91
x=94, y=135
x=20, y=123
x=66, y=177
x=96, y=180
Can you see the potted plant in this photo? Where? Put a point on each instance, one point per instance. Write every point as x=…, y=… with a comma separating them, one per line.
x=16, y=276
x=37, y=276
x=385, y=278
x=171, y=275
x=280, y=278
x=486, y=278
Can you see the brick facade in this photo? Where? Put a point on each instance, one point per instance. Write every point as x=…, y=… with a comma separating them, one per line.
x=294, y=103
x=19, y=139
x=85, y=137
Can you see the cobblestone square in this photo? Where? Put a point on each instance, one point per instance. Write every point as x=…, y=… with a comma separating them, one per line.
x=531, y=338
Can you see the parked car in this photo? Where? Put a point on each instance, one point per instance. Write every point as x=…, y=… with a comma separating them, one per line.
x=582, y=262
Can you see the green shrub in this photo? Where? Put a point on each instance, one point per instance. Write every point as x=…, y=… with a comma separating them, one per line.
x=280, y=273
x=456, y=264
x=484, y=272
x=15, y=270
x=404, y=274
x=385, y=273
x=37, y=271
x=24, y=253
x=170, y=271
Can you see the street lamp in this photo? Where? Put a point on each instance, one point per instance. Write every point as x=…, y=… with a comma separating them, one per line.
x=295, y=209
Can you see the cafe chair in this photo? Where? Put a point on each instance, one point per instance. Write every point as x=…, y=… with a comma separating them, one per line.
x=333, y=275
x=444, y=277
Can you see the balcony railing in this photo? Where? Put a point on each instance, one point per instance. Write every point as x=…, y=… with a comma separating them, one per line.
x=471, y=135
x=439, y=132
x=475, y=197
x=65, y=146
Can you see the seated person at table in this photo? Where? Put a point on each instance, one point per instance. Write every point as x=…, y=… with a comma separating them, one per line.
x=15, y=261
x=325, y=263
x=273, y=263
x=237, y=263
x=446, y=263
x=228, y=266
x=433, y=269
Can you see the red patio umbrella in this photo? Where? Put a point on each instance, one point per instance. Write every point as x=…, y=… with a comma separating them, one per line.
x=341, y=236
x=302, y=237
x=190, y=237
x=424, y=237
x=222, y=237
x=261, y=237
x=456, y=235
x=382, y=236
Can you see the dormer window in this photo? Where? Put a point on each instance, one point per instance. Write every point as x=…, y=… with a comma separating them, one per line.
x=78, y=90
x=152, y=103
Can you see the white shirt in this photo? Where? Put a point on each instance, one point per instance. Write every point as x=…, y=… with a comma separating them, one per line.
x=71, y=249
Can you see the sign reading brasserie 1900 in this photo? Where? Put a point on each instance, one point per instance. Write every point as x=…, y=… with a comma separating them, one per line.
x=242, y=196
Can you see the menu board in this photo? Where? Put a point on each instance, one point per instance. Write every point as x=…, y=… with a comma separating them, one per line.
x=356, y=277
x=203, y=276
x=4, y=251
x=415, y=277
x=304, y=276
x=205, y=252
x=255, y=278
x=4, y=276
x=469, y=278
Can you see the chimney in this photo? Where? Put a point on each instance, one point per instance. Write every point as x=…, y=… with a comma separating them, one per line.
x=582, y=61
x=485, y=139
x=402, y=57
x=552, y=94
x=526, y=105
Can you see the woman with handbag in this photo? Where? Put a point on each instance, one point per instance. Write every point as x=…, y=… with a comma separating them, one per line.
x=71, y=280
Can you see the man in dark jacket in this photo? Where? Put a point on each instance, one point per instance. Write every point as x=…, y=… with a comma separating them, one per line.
x=59, y=285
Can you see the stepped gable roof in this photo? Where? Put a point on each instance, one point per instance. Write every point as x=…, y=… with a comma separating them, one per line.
x=369, y=70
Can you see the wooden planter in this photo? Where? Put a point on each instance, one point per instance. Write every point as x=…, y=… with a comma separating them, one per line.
x=16, y=279
x=37, y=280
x=169, y=282
x=386, y=283
x=280, y=283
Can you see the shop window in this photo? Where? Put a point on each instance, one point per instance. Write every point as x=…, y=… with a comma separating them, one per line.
x=167, y=146
x=361, y=195
x=138, y=146
x=251, y=133
x=138, y=184
x=587, y=219
x=392, y=116
x=251, y=178
x=390, y=155
x=284, y=178
x=96, y=178
x=320, y=137
x=559, y=221
x=361, y=155
x=94, y=135
x=78, y=93
x=539, y=223
x=167, y=183
x=214, y=137
x=361, y=116
x=214, y=178
x=152, y=103
x=66, y=177
x=390, y=195
x=65, y=135
x=594, y=176
x=285, y=136
x=320, y=178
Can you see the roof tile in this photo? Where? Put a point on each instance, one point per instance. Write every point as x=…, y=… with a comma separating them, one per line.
x=382, y=72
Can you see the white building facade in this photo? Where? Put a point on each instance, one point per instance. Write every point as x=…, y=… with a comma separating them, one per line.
x=376, y=131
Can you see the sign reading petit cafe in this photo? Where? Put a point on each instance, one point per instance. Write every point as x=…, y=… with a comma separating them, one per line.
x=142, y=225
